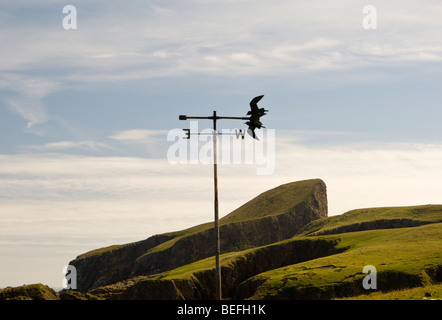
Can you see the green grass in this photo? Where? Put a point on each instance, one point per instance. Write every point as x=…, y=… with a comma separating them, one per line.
x=400, y=255
x=273, y=202
x=98, y=251
x=405, y=253
x=422, y=214
x=202, y=265
x=404, y=257
x=419, y=293
x=28, y=292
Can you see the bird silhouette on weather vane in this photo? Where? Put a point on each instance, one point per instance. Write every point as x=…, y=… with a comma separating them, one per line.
x=255, y=114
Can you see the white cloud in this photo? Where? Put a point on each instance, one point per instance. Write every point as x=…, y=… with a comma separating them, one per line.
x=140, y=135
x=141, y=142
x=63, y=145
x=30, y=109
x=30, y=86
x=369, y=174
x=26, y=99
x=223, y=37
x=348, y=168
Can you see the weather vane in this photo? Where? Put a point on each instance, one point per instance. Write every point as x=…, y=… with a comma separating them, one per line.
x=253, y=123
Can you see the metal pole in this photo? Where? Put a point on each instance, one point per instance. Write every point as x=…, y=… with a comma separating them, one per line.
x=215, y=176
x=215, y=179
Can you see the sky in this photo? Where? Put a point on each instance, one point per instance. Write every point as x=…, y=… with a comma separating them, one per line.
x=85, y=114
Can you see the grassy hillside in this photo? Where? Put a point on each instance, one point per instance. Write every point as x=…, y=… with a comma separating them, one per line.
x=277, y=201
x=270, y=217
x=404, y=258
x=312, y=266
x=429, y=292
x=376, y=218
x=28, y=292
x=279, y=245
x=273, y=202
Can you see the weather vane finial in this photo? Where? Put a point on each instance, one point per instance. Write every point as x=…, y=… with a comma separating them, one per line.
x=255, y=114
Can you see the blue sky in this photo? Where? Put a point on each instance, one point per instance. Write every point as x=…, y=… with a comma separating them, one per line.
x=84, y=114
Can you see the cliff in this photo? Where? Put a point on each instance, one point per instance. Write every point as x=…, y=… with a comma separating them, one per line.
x=324, y=261
x=279, y=245
x=272, y=216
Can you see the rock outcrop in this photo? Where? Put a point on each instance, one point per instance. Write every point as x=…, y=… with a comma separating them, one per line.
x=272, y=216
x=29, y=292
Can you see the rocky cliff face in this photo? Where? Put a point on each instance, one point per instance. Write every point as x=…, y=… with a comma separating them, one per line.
x=273, y=216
